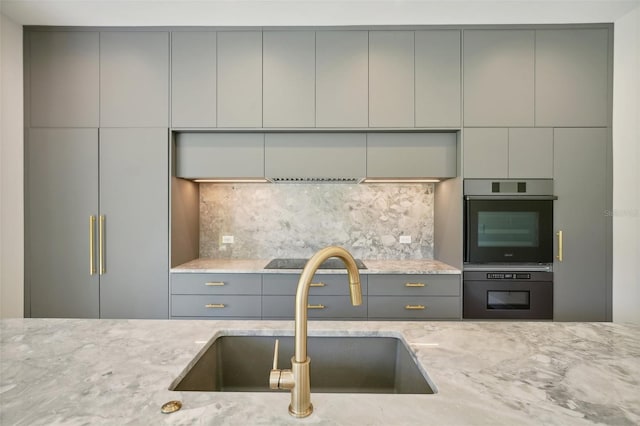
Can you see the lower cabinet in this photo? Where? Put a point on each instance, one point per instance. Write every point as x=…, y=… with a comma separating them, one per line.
x=216, y=296
x=272, y=296
x=414, y=296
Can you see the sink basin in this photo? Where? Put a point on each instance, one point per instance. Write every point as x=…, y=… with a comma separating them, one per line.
x=338, y=365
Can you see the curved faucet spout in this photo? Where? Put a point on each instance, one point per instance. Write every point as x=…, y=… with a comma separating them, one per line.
x=302, y=294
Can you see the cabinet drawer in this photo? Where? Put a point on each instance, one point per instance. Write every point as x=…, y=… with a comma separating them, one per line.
x=216, y=284
x=215, y=306
x=414, y=285
x=420, y=307
x=319, y=307
x=322, y=284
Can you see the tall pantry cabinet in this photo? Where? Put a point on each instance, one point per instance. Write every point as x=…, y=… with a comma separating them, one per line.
x=96, y=174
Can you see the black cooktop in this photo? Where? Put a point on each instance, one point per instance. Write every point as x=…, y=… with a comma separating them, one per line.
x=332, y=263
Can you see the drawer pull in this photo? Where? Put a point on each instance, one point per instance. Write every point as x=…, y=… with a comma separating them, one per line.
x=214, y=305
x=414, y=284
x=215, y=284
x=319, y=306
x=317, y=284
x=414, y=307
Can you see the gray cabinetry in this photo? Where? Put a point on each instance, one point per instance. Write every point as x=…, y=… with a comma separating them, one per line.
x=582, y=279
x=437, y=78
x=239, y=79
x=64, y=69
x=193, y=79
x=499, y=77
x=508, y=153
x=402, y=155
x=342, y=78
x=288, y=76
x=216, y=295
x=572, y=77
x=313, y=155
x=134, y=199
x=94, y=248
x=134, y=79
x=219, y=155
x=391, y=78
x=61, y=183
x=328, y=297
x=409, y=296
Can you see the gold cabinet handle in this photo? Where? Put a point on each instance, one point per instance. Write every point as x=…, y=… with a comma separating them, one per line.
x=317, y=284
x=92, y=244
x=214, y=305
x=560, y=248
x=215, y=284
x=101, y=249
x=414, y=285
x=415, y=307
x=318, y=306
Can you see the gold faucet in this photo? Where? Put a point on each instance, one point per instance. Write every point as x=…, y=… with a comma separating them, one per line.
x=297, y=378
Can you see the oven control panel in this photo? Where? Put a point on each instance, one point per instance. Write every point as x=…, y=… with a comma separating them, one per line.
x=508, y=276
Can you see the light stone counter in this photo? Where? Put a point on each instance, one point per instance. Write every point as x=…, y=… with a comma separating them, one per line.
x=116, y=372
x=373, y=267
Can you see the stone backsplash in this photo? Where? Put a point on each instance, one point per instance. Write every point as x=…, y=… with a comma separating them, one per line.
x=295, y=220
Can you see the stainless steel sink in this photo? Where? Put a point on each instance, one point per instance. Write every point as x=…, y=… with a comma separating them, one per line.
x=338, y=365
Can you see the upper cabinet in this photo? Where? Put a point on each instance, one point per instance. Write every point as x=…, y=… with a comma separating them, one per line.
x=499, y=78
x=572, y=77
x=193, y=79
x=391, y=79
x=437, y=78
x=342, y=78
x=289, y=78
x=134, y=79
x=239, y=79
x=64, y=79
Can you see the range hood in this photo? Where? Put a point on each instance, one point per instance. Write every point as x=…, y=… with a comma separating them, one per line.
x=349, y=180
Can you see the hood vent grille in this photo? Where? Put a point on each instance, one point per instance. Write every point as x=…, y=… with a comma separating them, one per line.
x=315, y=180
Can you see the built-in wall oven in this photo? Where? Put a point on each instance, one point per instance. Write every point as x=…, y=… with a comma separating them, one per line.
x=508, y=253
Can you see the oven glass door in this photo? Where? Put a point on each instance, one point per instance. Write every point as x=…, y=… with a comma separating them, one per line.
x=506, y=231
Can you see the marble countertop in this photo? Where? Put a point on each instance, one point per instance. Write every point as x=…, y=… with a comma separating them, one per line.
x=117, y=372
x=373, y=267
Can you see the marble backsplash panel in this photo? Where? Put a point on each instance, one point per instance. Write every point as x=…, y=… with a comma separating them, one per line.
x=295, y=220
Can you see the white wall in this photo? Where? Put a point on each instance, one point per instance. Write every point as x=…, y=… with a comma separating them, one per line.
x=626, y=165
x=11, y=174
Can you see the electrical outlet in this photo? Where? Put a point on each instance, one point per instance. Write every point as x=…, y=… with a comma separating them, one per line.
x=405, y=239
x=228, y=239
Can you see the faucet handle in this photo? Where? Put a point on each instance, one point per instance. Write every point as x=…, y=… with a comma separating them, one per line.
x=279, y=379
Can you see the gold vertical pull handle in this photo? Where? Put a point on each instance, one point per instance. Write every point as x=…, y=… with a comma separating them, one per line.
x=92, y=244
x=560, y=248
x=101, y=263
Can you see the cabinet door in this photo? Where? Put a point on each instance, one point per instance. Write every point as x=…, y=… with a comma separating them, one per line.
x=391, y=79
x=486, y=153
x=315, y=155
x=62, y=193
x=239, y=79
x=289, y=78
x=437, y=78
x=134, y=79
x=403, y=155
x=342, y=78
x=220, y=155
x=134, y=201
x=193, y=79
x=572, y=77
x=498, y=78
x=64, y=70
x=531, y=153
x=580, y=281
